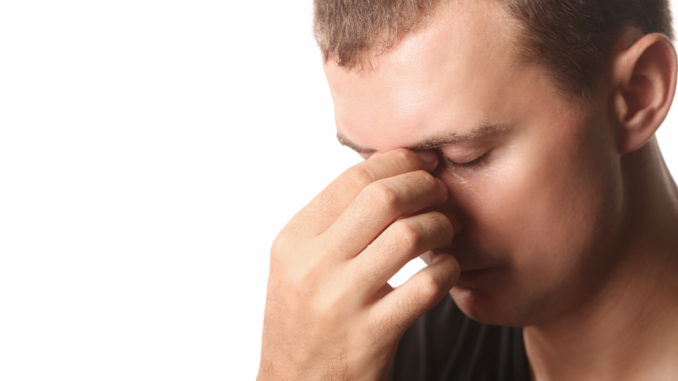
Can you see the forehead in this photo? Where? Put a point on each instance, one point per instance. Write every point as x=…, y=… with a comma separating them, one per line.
x=455, y=71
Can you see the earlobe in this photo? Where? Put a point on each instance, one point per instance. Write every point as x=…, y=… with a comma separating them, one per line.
x=644, y=83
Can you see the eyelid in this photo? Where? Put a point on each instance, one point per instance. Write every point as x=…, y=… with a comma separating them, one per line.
x=467, y=164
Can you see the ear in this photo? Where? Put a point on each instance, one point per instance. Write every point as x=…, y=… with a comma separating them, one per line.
x=644, y=82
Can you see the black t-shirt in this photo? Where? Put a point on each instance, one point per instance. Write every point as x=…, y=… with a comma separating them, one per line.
x=444, y=344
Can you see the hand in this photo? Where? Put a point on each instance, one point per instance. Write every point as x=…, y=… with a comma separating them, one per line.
x=330, y=313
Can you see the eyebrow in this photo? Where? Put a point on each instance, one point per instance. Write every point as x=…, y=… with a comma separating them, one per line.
x=435, y=142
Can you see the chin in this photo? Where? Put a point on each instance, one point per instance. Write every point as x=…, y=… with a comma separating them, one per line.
x=489, y=296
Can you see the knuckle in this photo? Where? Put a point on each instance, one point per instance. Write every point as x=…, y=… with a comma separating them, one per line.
x=302, y=283
x=358, y=176
x=430, y=286
x=383, y=194
x=278, y=248
x=407, y=234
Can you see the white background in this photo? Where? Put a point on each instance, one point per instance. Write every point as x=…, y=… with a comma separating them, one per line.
x=149, y=153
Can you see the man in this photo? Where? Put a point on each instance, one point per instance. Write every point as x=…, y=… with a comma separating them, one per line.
x=511, y=144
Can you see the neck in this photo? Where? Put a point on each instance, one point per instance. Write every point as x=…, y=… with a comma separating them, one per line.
x=627, y=329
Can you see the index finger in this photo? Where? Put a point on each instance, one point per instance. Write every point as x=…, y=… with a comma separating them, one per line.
x=326, y=207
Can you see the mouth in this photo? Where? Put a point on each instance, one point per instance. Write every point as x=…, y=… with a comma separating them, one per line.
x=476, y=272
x=474, y=278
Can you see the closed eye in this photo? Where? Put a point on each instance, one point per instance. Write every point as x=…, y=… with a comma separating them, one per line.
x=467, y=164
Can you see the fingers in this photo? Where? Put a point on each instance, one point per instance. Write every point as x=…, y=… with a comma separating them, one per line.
x=324, y=209
x=402, y=306
x=314, y=301
x=378, y=206
x=401, y=242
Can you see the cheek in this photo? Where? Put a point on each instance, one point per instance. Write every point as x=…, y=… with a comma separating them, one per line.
x=543, y=204
x=562, y=205
x=575, y=207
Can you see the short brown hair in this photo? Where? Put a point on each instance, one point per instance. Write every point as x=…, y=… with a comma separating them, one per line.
x=572, y=38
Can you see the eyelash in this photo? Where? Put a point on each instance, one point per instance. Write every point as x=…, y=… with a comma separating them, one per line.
x=468, y=165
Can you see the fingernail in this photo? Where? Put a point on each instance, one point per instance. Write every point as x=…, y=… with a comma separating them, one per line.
x=429, y=158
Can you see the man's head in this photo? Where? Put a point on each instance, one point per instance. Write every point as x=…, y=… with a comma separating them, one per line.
x=573, y=39
x=531, y=135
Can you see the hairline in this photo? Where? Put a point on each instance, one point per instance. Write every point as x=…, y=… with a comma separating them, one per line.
x=365, y=60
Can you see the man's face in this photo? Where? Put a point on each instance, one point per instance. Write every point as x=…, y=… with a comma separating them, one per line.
x=538, y=207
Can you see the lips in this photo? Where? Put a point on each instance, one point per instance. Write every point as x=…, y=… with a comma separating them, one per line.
x=472, y=274
x=478, y=278
x=477, y=269
x=467, y=263
x=475, y=262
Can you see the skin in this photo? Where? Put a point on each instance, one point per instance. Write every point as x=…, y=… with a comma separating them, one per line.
x=566, y=226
